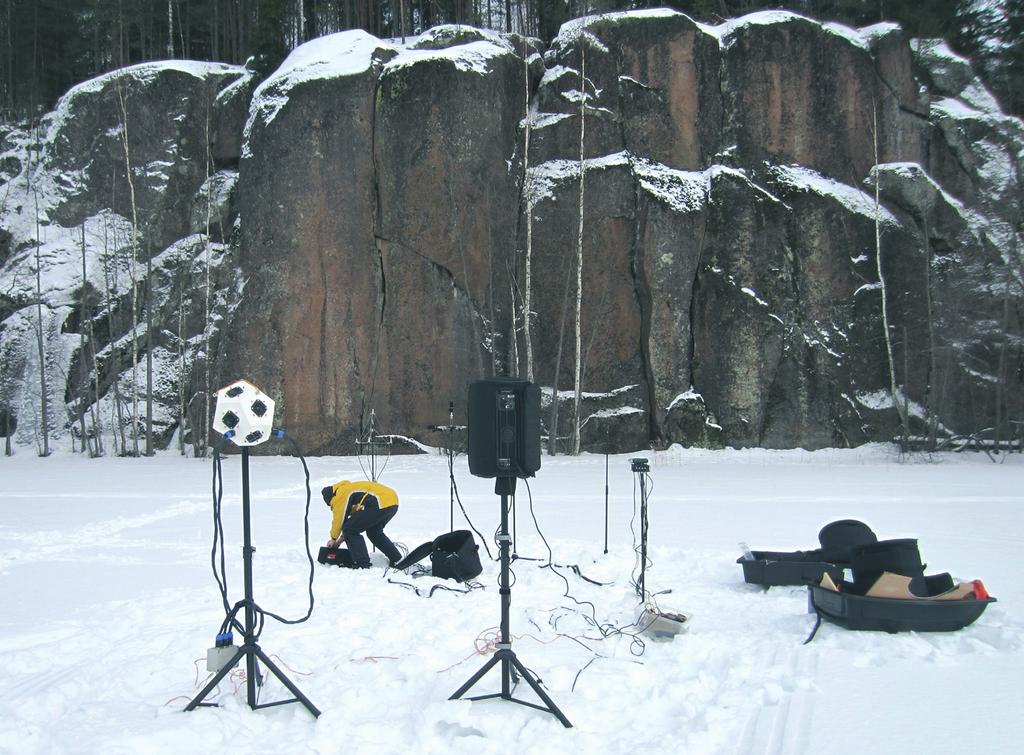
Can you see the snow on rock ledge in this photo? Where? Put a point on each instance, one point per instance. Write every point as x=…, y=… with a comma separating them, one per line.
x=161, y=110
x=348, y=53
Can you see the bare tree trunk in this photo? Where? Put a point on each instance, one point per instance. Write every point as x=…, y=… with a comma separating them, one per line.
x=930, y=404
x=182, y=378
x=906, y=380
x=149, y=353
x=133, y=273
x=885, y=297
x=513, y=370
x=553, y=436
x=1001, y=376
x=579, y=255
x=94, y=380
x=184, y=36
x=170, y=28
x=40, y=343
x=10, y=64
x=215, y=32
x=83, y=369
x=527, y=297
x=309, y=20
x=206, y=314
x=110, y=283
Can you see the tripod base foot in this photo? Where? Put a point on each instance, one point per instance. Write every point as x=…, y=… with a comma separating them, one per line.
x=509, y=661
x=252, y=652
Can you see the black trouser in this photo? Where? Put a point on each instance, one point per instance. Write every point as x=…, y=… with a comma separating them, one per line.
x=370, y=520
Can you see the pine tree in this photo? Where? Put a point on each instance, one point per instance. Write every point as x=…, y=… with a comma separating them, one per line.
x=989, y=34
x=1012, y=57
x=270, y=46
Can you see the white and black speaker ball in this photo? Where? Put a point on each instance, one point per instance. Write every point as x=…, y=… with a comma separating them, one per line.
x=244, y=411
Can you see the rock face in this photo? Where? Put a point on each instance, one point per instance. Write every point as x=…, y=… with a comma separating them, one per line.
x=755, y=286
x=375, y=262
x=106, y=267
x=444, y=226
x=157, y=114
x=745, y=196
x=309, y=317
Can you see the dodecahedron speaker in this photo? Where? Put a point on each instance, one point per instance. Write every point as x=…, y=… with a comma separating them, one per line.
x=504, y=428
x=244, y=413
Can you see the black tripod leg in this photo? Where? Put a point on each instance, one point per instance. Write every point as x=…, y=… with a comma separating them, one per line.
x=535, y=685
x=252, y=675
x=224, y=671
x=287, y=682
x=476, y=677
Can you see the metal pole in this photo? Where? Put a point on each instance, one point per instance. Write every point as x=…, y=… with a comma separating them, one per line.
x=451, y=466
x=373, y=447
x=506, y=597
x=250, y=614
x=515, y=532
x=606, y=503
x=641, y=584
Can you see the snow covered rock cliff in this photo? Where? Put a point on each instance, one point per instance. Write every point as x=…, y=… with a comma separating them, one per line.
x=738, y=182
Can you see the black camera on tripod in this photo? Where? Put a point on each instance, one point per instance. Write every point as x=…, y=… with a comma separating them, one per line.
x=639, y=465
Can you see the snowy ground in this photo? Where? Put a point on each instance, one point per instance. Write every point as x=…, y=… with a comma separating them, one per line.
x=108, y=605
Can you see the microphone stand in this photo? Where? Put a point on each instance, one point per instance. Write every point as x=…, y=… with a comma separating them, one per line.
x=250, y=650
x=449, y=451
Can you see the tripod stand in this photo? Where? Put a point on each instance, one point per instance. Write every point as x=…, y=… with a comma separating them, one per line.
x=449, y=451
x=374, y=445
x=641, y=469
x=249, y=649
x=506, y=486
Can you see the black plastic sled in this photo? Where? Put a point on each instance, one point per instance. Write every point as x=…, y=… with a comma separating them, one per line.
x=894, y=615
x=837, y=539
x=891, y=593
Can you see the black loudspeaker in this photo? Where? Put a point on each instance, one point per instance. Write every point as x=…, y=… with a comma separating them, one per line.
x=504, y=428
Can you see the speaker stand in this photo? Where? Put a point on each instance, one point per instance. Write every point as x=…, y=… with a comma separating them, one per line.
x=510, y=663
x=249, y=648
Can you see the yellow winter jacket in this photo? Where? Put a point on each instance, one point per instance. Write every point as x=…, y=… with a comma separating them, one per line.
x=343, y=495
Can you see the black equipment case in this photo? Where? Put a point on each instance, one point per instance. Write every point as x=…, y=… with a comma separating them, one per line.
x=454, y=555
x=335, y=557
x=837, y=539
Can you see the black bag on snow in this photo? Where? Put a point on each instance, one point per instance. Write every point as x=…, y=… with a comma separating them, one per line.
x=335, y=557
x=454, y=555
x=900, y=556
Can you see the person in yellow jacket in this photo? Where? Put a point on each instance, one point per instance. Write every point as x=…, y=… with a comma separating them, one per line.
x=359, y=507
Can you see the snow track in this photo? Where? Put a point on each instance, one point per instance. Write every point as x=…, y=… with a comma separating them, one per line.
x=780, y=726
